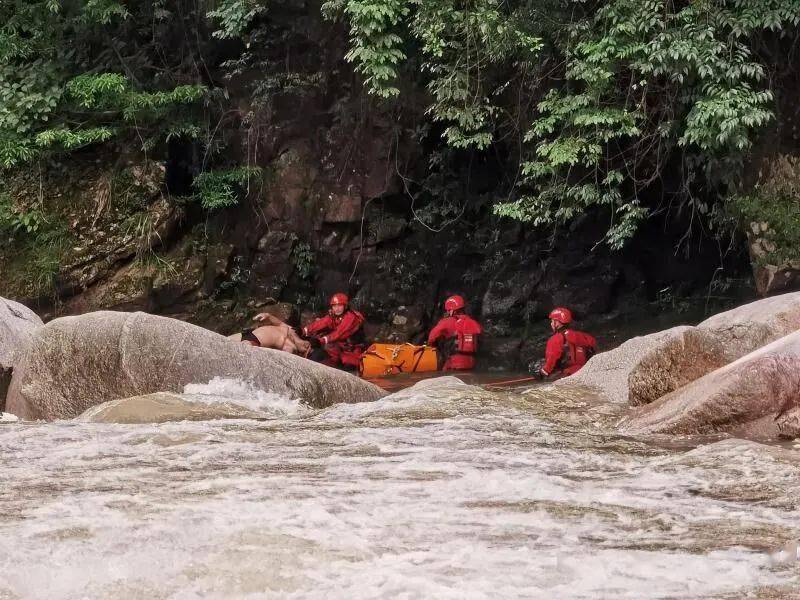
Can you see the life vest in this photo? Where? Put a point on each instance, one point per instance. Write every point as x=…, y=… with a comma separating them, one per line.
x=355, y=339
x=456, y=338
x=579, y=347
x=467, y=332
x=358, y=338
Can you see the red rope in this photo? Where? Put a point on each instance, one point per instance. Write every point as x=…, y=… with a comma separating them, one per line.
x=513, y=381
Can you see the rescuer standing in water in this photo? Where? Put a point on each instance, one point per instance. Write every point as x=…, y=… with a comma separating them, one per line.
x=456, y=336
x=567, y=349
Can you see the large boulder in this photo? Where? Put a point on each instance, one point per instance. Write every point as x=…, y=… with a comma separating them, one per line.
x=74, y=363
x=609, y=372
x=17, y=324
x=755, y=396
x=646, y=368
x=715, y=342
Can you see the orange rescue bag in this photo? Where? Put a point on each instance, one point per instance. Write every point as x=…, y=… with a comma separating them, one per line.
x=391, y=359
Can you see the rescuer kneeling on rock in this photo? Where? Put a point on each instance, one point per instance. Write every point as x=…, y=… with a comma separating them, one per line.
x=337, y=337
x=456, y=336
x=567, y=350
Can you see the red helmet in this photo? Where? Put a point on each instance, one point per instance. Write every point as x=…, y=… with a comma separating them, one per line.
x=454, y=303
x=339, y=298
x=562, y=315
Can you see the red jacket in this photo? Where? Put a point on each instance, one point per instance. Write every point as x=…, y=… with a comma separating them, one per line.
x=465, y=330
x=336, y=329
x=568, y=351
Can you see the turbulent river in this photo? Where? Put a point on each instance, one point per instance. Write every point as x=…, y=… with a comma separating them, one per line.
x=435, y=492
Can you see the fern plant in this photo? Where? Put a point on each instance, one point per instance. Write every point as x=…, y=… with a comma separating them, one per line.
x=222, y=189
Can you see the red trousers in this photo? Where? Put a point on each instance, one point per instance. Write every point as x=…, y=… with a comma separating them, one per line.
x=459, y=362
x=341, y=355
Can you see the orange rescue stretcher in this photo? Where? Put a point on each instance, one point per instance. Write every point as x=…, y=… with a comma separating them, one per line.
x=392, y=359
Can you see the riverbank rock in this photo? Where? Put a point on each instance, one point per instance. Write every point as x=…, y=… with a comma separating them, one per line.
x=163, y=407
x=646, y=368
x=715, y=342
x=17, y=324
x=769, y=278
x=609, y=372
x=74, y=363
x=755, y=396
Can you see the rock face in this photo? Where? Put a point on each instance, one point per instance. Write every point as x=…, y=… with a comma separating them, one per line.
x=74, y=363
x=646, y=368
x=769, y=278
x=755, y=396
x=17, y=324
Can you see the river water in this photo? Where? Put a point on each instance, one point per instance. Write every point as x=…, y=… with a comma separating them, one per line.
x=441, y=491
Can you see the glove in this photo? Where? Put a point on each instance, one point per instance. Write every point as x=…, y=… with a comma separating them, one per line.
x=535, y=369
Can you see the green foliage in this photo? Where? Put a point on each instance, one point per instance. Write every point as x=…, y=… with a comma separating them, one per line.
x=42, y=262
x=409, y=269
x=463, y=51
x=593, y=100
x=97, y=91
x=38, y=241
x=375, y=47
x=56, y=96
x=235, y=16
x=14, y=220
x=621, y=87
x=468, y=50
x=103, y=11
x=304, y=260
x=771, y=211
x=645, y=79
x=263, y=73
x=222, y=189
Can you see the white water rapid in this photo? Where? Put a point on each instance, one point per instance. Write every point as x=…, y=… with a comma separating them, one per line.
x=437, y=492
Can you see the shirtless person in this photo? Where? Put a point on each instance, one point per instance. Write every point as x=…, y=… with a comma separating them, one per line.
x=274, y=334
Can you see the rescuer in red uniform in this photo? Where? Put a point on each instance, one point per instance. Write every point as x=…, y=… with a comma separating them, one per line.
x=338, y=335
x=456, y=336
x=567, y=350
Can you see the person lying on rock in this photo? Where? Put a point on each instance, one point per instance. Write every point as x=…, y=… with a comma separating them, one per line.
x=567, y=349
x=456, y=337
x=275, y=334
x=338, y=338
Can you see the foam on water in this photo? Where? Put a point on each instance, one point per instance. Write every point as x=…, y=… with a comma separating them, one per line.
x=428, y=495
x=232, y=391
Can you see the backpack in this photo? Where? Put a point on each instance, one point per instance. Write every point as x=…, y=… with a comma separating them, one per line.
x=579, y=347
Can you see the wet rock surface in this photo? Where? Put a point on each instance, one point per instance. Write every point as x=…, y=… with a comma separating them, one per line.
x=715, y=342
x=610, y=372
x=755, y=397
x=646, y=368
x=74, y=363
x=17, y=325
x=162, y=407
